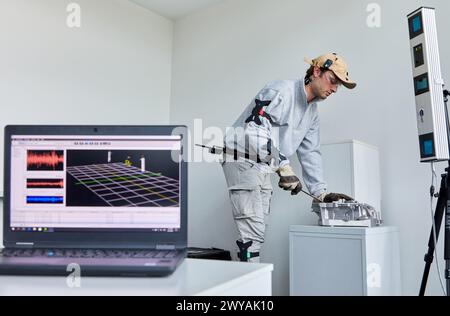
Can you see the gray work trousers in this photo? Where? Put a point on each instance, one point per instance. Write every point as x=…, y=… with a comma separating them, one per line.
x=250, y=192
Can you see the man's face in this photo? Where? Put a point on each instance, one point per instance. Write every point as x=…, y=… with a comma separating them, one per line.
x=325, y=83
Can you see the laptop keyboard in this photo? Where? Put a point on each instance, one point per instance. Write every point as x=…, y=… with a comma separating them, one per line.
x=88, y=253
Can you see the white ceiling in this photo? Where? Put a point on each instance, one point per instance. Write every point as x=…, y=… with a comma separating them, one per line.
x=175, y=9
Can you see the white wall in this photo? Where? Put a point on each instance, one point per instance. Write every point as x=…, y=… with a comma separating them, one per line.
x=115, y=69
x=225, y=54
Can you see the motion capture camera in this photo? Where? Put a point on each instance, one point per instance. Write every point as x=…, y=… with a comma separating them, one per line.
x=432, y=115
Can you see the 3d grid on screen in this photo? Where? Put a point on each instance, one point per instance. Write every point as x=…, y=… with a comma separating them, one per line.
x=122, y=185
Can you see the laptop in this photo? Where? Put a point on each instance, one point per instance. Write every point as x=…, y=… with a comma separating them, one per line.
x=110, y=199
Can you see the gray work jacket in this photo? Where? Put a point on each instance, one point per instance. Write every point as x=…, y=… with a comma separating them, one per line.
x=294, y=128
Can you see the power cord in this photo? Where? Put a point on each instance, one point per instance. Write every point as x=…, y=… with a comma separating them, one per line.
x=432, y=196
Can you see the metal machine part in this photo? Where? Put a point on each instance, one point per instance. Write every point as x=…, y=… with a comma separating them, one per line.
x=347, y=214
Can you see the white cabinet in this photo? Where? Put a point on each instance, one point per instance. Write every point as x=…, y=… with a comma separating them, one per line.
x=344, y=261
x=353, y=168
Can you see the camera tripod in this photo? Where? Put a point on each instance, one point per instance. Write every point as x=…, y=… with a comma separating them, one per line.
x=442, y=209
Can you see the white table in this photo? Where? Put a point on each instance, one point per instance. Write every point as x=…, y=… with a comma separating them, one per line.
x=193, y=277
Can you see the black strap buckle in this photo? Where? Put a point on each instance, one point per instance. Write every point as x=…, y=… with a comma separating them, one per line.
x=258, y=111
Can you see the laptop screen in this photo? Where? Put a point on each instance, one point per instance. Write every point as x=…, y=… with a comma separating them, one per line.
x=78, y=183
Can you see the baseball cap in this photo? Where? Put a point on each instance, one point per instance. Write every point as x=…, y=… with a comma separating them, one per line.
x=336, y=64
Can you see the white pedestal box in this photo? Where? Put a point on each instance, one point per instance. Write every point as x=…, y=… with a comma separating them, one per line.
x=345, y=261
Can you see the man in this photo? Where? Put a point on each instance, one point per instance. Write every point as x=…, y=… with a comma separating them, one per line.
x=282, y=120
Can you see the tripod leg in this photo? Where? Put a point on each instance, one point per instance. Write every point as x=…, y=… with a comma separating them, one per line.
x=439, y=214
x=447, y=275
x=447, y=247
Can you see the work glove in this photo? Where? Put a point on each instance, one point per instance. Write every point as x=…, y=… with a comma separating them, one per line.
x=333, y=197
x=288, y=180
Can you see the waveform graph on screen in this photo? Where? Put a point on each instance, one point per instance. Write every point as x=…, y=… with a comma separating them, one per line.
x=45, y=184
x=45, y=160
x=45, y=200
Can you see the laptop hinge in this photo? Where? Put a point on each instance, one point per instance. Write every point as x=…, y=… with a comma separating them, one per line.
x=165, y=247
x=24, y=244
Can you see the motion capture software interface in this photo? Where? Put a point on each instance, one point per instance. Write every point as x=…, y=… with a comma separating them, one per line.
x=67, y=183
